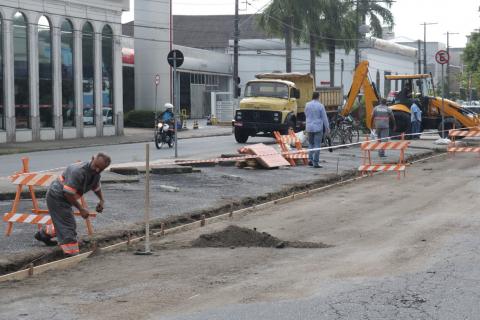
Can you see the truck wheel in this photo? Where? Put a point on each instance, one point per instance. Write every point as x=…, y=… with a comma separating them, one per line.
x=402, y=121
x=241, y=136
x=448, y=126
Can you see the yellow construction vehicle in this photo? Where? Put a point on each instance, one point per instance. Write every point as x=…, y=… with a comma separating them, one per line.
x=422, y=89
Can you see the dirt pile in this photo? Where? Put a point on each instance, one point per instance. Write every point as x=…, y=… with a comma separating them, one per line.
x=234, y=236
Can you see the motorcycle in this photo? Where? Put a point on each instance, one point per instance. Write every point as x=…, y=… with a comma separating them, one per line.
x=164, y=134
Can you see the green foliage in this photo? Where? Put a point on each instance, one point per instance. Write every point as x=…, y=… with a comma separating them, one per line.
x=140, y=119
x=324, y=24
x=471, y=60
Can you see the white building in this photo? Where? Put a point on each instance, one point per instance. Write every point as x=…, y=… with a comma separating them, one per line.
x=202, y=72
x=60, y=69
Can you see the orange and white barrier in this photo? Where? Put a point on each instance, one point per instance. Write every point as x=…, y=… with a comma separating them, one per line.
x=384, y=167
x=452, y=149
x=38, y=216
x=285, y=141
x=369, y=167
x=374, y=145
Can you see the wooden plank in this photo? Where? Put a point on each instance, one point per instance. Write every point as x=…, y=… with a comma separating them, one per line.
x=269, y=157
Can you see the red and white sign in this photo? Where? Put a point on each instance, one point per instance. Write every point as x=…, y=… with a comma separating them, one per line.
x=442, y=57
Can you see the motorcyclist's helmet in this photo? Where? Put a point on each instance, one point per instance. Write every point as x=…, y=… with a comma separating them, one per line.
x=168, y=106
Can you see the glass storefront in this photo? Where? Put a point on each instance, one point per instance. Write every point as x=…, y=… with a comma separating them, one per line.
x=107, y=76
x=88, y=75
x=2, y=107
x=45, y=73
x=21, y=83
x=68, y=96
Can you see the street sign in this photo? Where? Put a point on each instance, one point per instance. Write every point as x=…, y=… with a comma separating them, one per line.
x=175, y=58
x=442, y=57
x=157, y=79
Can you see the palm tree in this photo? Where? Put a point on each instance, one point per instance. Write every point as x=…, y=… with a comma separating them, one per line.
x=283, y=18
x=337, y=30
x=374, y=10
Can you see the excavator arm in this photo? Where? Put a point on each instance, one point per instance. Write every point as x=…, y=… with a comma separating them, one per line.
x=451, y=109
x=361, y=81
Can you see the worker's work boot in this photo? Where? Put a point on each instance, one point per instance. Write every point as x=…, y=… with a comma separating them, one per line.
x=41, y=236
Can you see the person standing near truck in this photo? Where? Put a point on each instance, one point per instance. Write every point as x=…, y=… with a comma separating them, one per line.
x=316, y=126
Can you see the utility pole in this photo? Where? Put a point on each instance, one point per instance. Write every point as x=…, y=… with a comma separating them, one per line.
x=448, y=63
x=235, y=52
x=419, y=56
x=288, y=26
x=425, y=24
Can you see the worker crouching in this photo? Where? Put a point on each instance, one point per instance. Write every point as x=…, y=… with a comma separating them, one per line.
x=64, y=194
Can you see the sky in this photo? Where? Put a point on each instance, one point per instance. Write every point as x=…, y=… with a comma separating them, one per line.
x=458, y=16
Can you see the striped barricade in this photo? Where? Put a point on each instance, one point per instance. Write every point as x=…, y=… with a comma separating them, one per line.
x=37, y=216
x=285, y=141
x=453, y=134
x=369, y=166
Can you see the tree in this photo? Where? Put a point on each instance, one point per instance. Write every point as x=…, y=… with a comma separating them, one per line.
x=283, y=18
x=337, y=30
x=376, y=13
x=471, y=61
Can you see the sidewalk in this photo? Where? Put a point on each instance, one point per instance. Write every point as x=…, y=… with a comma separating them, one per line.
x=131, y=135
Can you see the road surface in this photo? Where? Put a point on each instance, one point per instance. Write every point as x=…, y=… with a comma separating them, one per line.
x=403, y=249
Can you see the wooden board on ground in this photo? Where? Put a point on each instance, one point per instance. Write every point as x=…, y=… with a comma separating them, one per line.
x=270, y=158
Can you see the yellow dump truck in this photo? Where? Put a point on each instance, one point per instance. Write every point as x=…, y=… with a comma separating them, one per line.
x=276, y=102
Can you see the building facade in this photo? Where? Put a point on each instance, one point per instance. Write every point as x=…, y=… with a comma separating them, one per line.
x=60, y=69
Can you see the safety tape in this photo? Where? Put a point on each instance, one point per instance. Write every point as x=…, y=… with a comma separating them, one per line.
x=288, y=153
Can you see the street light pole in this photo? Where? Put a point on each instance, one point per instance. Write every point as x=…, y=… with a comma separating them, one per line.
x=235, y=52
x=357, y=35
x=425, y=24
x=448, y=63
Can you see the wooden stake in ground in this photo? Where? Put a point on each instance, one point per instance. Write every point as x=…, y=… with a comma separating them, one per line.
x=147, y=203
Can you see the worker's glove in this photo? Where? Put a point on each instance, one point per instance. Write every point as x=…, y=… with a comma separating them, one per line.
x=99, y=207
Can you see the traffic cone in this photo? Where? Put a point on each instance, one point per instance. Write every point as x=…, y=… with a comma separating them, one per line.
x=195, y=124
x=184, y=125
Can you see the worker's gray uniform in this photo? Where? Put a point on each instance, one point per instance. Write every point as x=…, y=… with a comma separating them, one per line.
x=381, y=117
x=77, y=179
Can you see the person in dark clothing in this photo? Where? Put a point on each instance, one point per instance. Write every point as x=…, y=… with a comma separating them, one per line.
x=63, y=194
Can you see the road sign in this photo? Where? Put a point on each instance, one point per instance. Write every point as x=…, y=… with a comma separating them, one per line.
x=175, y=58
x=442, y=57
x=157, y=79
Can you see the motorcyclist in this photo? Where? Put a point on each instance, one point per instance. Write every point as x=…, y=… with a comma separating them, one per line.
x=168, y=117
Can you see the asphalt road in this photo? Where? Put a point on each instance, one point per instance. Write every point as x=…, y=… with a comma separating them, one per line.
x=213, y=187
x=403, y=249
x=196, y=148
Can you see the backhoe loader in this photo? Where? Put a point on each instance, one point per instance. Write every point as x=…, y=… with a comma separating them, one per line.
x=423, y=91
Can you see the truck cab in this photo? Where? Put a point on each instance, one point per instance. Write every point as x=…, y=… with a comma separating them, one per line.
x=272, y=102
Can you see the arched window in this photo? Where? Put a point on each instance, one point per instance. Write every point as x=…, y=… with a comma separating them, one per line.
x=107, y=76
x=20, y=59
x=2, y=108
x=88, y=75
x=45, y=72
x=68, y=91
